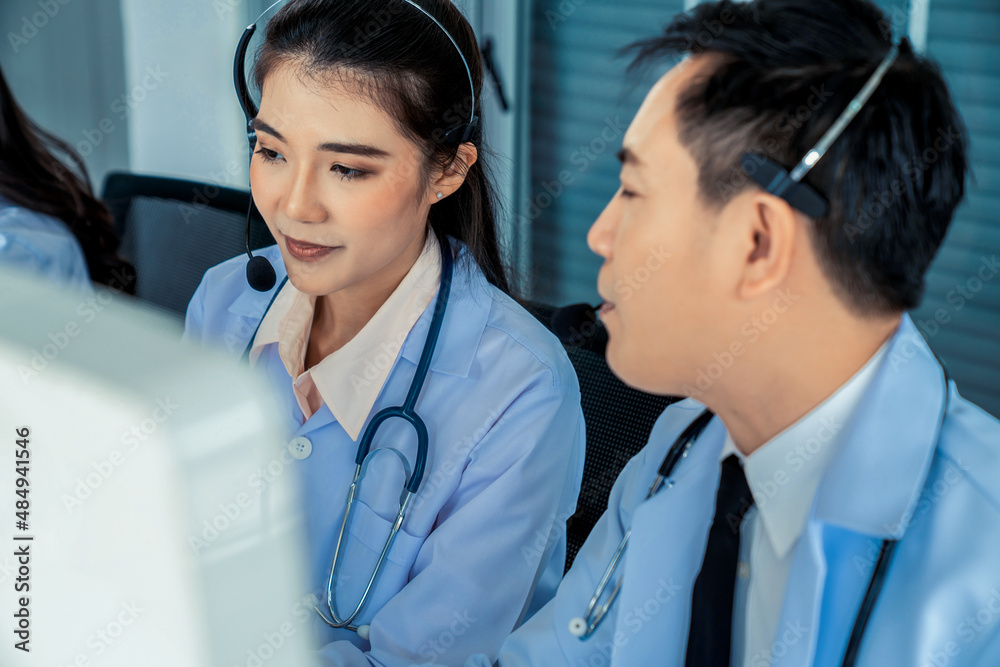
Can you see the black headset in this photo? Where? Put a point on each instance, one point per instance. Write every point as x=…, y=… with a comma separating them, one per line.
x=260, y=273
x=777, y=180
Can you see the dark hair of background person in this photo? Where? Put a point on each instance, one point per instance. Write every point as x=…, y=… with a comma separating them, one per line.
x=788, y=69
x=32, y=176
x=390, y=53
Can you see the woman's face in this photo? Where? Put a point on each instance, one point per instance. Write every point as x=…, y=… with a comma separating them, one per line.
x=341, y=189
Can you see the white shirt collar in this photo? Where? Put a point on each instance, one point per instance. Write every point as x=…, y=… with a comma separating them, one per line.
x=350, y=379
x=785, y=472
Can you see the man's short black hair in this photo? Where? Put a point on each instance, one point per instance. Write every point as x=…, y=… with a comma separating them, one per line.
x=788, y=69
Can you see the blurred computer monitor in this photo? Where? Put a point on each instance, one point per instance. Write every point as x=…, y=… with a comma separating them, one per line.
x=146, y=515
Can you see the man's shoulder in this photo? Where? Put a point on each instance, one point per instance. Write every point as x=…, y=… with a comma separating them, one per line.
x=970, y=443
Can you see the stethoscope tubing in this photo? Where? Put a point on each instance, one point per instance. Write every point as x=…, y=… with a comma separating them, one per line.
x=407, y=413
x=584, y=627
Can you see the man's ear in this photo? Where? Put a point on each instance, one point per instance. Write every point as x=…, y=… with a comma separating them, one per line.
x=770, y=230
x=452, y=177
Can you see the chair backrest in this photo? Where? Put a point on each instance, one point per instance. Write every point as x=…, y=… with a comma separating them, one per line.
x=174, y=230
x=619, y=420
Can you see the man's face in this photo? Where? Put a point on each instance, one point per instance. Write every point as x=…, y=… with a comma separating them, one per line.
x=665, y=275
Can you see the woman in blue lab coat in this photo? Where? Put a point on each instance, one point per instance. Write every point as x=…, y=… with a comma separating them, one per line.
x=362, y=178
x=50, y=222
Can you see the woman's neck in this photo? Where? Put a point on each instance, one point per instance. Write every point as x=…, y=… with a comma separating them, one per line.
x=340, y=316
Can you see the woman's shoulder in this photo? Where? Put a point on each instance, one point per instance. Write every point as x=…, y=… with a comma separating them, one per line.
x=38, y=242
x=223, y=296
x=514, y=338
x=227, y=280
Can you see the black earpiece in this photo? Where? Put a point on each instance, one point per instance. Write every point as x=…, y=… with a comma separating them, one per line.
x=260, y=273
x=788, y=185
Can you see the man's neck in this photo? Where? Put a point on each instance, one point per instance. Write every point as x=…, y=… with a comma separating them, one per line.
x=790, y=382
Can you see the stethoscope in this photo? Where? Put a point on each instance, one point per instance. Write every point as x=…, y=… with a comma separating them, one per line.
x=406, y=412
x=583, y=627
x=261, y=277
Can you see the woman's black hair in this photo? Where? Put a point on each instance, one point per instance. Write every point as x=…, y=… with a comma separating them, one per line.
x=32, y=176
x=409, y=67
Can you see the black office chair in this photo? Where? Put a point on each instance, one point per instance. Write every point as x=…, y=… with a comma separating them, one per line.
x=618, y=418
x=174, y=230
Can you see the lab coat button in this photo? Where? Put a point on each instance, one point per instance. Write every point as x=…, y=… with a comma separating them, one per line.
x=300, y=448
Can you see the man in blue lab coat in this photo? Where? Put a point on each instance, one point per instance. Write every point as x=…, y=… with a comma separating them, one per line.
x=841, y=503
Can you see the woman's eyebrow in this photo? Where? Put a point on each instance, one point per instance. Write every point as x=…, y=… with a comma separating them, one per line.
x=364, y=150
x=260, y=126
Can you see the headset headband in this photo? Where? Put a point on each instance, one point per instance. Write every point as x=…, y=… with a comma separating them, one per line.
x=775, y=179
x=461, y=133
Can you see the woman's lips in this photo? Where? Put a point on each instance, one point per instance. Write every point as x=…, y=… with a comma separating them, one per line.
x=606, y=308
x=308, y=252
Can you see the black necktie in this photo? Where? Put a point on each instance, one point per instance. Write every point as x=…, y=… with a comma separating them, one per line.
x=711, y=629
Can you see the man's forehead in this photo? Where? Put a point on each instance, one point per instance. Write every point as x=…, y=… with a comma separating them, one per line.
x=654, y=123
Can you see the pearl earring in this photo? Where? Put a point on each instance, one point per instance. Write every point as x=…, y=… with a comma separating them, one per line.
x=440, y=194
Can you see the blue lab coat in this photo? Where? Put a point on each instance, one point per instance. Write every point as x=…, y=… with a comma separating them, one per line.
x=484, y=543
x=40, y=244
x=891, y=477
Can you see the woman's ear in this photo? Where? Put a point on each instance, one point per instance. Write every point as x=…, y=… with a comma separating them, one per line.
x=452, y=177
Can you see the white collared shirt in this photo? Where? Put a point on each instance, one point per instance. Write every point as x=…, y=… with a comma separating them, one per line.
x=783, y=475
x=349, y=380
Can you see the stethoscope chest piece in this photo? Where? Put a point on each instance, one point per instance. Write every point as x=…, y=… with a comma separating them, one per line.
x=577, y=626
